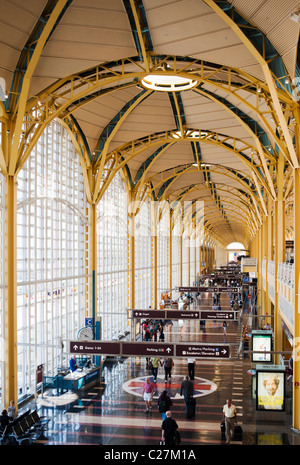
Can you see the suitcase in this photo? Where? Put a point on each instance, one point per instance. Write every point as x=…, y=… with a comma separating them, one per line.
x=190, y=408
x=238, y=433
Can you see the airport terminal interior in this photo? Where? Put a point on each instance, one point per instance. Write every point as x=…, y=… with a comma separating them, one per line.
x=149, y=188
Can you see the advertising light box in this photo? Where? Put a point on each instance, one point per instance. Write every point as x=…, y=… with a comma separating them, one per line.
x=270, y=390
x=262, y=346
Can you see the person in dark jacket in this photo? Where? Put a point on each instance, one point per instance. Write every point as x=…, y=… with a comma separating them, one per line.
x=187, y=388
x=168, y=428
x=164, y=404
x=4, y=419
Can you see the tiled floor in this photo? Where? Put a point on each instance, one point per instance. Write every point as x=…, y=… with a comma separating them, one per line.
x=113, y=413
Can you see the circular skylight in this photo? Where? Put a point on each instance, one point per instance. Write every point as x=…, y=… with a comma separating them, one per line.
x=168, y=82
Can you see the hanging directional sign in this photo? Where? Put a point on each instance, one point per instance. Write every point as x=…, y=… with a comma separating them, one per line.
x=156, y=314
x=182, y=314
x=202, y=350
x=95, y=347
x=218, y=315
x=147, y=348
x=208, y=289
x=166, y=314
x=150, y=349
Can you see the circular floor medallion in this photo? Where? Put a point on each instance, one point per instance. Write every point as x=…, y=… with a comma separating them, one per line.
x=202, y=387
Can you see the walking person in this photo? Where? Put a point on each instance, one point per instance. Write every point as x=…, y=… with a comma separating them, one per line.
x=191, y=368
x=155, y=362
x=187, y=390
x=229, y=416
x=161, y=332
x=144, y=328
x=168, y=365
x=168, y=429
x=164, y=403
x=148, y=392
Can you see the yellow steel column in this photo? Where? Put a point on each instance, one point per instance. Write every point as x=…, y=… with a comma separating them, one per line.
x=189, y=260
x=296, y=353
x=93, y=262
x=296, y=341
x=181, y=255
x=279, y=257
x=131, y=232
x=258, y=252
x=170, y=251
x=10, y=338
x=279, y=236
x=269, y=254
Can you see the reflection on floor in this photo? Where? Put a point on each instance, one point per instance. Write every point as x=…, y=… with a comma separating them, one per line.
x=113, y=413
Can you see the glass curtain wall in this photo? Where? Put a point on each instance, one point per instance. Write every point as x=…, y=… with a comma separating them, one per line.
x=176, y=259
x=51, y=251
x=143, y=288
x=112, y=260
x=163, y=243
x=192, y=260
x=185, y=259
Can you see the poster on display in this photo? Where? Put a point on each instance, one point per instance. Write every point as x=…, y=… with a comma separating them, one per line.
x=270, y=390
x=262, y=346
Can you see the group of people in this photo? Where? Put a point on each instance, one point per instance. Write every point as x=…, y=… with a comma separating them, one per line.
x=164, y=401
x=153, y=331
x=154, y=363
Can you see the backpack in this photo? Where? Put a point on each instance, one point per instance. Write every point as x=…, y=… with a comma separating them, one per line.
x=168, y=363
x=162, y=406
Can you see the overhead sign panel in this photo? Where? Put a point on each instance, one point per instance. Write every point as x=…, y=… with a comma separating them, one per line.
x=217, y=315
x=166, y=314
x=208, y=289
x=148, y=314
x=182, y=315
x=147, y=348
x=202, y=351
x=95, y=347
x=150, y=349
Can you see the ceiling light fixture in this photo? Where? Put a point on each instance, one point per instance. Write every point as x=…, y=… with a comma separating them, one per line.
x=166, y=82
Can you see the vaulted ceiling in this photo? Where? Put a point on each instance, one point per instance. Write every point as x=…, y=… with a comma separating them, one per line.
x=229, y=141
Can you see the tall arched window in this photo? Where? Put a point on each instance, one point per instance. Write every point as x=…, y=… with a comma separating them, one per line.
x=176, y=259
x=143, y=256
x=51, y=274
x=163, y=251
x=234, y=250
x=112, y=260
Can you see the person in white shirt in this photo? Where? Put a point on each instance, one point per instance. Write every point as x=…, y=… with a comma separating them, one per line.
x=229, y=415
